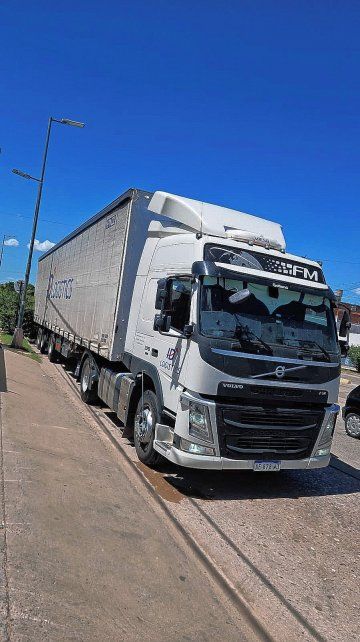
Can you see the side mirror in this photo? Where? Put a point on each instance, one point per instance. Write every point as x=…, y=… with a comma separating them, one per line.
x=160, y=294
x=162, y=322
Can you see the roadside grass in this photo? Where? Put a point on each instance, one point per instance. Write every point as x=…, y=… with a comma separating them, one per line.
x=26, y=350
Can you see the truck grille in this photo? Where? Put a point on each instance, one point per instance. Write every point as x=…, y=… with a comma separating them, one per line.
x=267, y=432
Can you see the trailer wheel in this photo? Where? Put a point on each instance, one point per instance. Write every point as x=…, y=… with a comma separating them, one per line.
x=146, y=417
x=52, y=355
x=87, y=391
x=38, y=339
x=43, y=342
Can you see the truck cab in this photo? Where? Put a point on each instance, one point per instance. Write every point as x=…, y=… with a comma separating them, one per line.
x=234, y=341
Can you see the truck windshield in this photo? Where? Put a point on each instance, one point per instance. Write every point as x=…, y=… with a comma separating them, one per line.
x=260, y=318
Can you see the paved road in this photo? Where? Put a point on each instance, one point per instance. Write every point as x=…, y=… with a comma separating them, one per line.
x=288, y=543
x=85, y=554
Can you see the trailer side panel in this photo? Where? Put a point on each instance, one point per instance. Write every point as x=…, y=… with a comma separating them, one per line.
x=77, y=284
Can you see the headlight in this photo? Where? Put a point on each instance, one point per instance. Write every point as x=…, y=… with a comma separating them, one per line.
x=195, y=449
x=199, y=421
x=330, y=425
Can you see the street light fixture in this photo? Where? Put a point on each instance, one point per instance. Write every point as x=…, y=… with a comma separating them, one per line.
x=18, y=334
x=73, y=123
x=24, y=175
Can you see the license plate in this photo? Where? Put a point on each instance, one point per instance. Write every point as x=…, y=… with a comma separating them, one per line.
x=267, y=465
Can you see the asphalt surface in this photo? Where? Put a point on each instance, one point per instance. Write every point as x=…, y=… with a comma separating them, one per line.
x=287, y=543
x=85, y=554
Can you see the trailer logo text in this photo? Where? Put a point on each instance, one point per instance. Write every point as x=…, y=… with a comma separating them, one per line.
x=110, y=222
x=59, y=289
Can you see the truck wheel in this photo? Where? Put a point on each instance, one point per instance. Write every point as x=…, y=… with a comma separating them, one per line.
x=87, y=393
x=38, y=339
x=52, y=354
x=146, y=417
x=352, y=425
x=43, y=342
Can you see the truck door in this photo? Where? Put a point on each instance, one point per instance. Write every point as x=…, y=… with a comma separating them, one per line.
x=166, y=351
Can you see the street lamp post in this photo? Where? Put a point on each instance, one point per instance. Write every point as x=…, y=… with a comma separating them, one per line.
x=18, y=334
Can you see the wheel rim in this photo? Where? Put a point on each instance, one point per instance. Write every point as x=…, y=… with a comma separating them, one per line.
x=144, y=425
x=353, y=425
x=85, y=376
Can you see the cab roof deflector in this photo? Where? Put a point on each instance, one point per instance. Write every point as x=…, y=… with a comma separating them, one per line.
x=215, y=220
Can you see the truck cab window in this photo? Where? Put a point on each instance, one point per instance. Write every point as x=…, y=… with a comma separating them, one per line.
x=178, y=303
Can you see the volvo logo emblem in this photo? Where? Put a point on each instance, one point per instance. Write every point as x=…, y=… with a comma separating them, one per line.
x=280, y=371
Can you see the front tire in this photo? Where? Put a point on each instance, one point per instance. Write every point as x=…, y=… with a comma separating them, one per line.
x=352, y=425
x=87, y=390
x=146, y=417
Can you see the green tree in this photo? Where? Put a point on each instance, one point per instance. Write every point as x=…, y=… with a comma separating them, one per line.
x=354, y=354
x=9, y=302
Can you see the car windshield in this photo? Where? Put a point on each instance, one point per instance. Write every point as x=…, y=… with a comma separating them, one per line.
x=261, y=317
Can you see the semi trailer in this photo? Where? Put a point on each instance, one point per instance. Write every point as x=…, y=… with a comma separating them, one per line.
x=214, y=346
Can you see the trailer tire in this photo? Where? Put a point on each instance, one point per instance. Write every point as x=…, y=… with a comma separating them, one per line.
x=146, y=417
x=43, y=342
x=38, y=339
x=52, y=355
x=87, y=392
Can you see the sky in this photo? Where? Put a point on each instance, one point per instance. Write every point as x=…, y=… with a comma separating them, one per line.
x=251, y=104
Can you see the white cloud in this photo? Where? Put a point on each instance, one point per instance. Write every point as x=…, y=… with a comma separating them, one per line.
x=357, y=291
x=42, y=246
x=12, y=242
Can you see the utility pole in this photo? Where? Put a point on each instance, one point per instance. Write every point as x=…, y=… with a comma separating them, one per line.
x=2, y=248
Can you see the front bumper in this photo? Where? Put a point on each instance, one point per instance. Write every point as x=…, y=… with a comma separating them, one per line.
x=221, y=463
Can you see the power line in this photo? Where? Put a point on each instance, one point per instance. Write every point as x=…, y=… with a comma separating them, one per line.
x=28, y=218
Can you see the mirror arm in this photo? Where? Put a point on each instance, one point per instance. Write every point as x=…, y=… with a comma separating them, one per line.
x=175, y=336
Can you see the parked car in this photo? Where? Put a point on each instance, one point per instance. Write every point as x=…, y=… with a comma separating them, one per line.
x=351, y=413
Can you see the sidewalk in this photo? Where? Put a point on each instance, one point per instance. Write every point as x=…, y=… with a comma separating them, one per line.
x=86, y=556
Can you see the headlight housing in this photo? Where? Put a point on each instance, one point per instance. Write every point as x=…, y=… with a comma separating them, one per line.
x=328, y=431
x=199, y=421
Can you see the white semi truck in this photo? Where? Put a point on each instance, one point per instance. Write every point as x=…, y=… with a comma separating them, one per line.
x=210, y=342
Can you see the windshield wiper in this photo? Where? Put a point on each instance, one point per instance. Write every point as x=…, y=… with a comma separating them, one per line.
x=314, y=343
x=242, y=329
